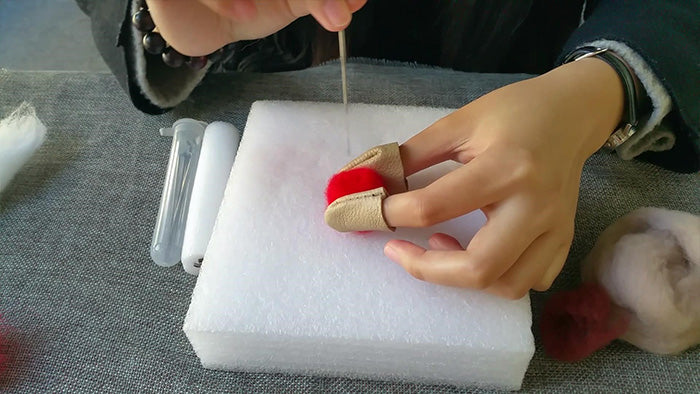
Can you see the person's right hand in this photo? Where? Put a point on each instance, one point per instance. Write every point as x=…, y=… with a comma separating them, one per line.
x=200, y=27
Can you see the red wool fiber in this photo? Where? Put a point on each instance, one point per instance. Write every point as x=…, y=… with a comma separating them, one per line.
x=352, y=181
x=3, y=349
x=576, y=323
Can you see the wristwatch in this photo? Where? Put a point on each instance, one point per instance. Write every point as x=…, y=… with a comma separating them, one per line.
x=630, y=84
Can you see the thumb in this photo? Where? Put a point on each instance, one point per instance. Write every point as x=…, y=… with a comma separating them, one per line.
x=333, y=15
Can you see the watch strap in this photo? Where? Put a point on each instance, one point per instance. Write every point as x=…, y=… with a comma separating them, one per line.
x=627, y=127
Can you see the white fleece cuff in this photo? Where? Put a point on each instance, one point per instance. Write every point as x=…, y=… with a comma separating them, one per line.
x=164, y=86
x=651, y=134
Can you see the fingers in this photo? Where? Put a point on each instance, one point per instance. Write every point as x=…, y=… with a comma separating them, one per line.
x=555, y=268
x=490, y=254
x=168, y=16
x=447, y=263
x=355, y=5
x=435, y=144
x=236, y=10
x=479, y=183
x=531, y=270
x=444, y=267
x=441, y=241
x=508, y=232
x=333, y=15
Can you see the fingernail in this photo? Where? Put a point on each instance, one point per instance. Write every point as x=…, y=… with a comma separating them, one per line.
x=337, y=12
x=391, y=252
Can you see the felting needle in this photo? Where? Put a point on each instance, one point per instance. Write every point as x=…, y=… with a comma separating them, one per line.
x=343, y=60
x=344, y=80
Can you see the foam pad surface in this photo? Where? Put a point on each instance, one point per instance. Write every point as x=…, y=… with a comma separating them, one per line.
x=281, y=291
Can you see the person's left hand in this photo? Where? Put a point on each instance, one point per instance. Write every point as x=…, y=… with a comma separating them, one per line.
x=523, y=148
x=200, y=27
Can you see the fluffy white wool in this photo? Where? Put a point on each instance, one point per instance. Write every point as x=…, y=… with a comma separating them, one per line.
x=21, y=133
x=649, y=263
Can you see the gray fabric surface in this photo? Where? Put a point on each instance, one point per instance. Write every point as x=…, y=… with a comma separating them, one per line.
x=86, y=309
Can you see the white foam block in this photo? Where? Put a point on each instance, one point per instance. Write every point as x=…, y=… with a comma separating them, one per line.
x=281, y=291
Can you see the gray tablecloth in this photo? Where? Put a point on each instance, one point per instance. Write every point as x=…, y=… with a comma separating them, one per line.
x=87, y=311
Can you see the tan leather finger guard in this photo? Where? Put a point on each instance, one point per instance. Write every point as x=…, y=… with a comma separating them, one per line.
x=358, y=212
x=363, y=211
x=386, y=160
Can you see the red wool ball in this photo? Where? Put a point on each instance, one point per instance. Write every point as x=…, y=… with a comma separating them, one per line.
x=3, y=349
x=352, y=181
x=3, y=359
x=576, y=323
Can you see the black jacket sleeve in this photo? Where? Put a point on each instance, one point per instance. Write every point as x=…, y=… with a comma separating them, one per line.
x=155, y=88
x=113, y=36
x=666, y=34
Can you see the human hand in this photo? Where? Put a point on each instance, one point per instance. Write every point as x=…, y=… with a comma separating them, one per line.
x=200, y=27
x=523, y=148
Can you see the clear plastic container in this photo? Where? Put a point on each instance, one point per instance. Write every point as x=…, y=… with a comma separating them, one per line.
x=166, y=246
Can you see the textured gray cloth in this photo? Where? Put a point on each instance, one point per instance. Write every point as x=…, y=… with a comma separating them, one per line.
x=88, y=311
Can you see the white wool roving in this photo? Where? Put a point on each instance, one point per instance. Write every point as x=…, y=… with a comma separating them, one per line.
x=21, y=134
x=649, y=263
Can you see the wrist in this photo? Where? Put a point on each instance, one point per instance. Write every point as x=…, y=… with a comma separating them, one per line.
x=631, y=87
x=594, y=90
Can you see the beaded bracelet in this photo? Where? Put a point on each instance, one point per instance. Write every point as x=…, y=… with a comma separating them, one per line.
x=155, y=44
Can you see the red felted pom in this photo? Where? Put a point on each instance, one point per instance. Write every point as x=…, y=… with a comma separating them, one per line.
x=577, y=323
x=352, y=181
x=3, y=349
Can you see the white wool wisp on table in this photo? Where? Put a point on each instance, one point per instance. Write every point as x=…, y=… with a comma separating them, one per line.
x=281, y=291
x=21, y=134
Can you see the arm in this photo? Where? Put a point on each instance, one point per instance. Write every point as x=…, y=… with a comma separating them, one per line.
x=151, y=86
x=540, y=129
x=659, y=39
x=195, y=28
